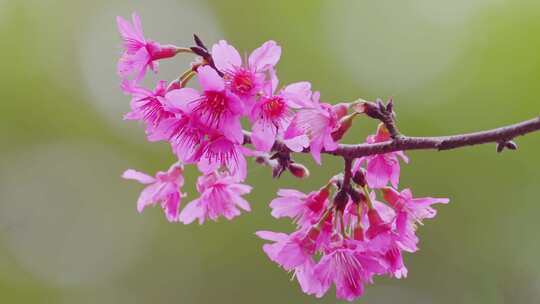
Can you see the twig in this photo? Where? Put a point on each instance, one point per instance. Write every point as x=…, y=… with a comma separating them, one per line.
x=403, y=143
x=347, y=175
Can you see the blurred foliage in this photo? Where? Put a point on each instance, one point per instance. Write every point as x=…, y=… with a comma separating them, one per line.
x=69, y=232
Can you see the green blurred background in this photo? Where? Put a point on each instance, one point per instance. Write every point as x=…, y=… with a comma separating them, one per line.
x=69, y=231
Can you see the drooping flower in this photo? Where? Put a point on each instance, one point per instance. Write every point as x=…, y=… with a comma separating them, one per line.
x=293, y=250
x=164, y=188
x=381, y=168
x=139, y=54
x=390, y=235
x=316, y=123
x=218, y=152
x=303, y=209
x=245, y=80
x=304, y=272
x=349, y=270
x=221, y=195
x=416, y=209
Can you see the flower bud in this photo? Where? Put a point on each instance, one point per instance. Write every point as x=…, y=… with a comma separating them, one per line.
x=298, y=170
x=344, y=125
x=369, y=108
x=341, y=109
x=341, y=199
x=511, y=145
x=260, y=159
x=359, y=178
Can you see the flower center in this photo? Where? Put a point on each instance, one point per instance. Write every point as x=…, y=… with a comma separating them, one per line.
x=242, y=82
x=273, y=107
x=153, y=111
x=213, y=106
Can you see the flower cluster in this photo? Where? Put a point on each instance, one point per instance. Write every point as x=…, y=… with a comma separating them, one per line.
x=344, y=236
x=350, y=237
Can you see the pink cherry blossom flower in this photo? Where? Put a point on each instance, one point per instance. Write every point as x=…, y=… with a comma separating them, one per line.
x=293, y=250
x=303, y=209
x=272, y=113
x=216, y=108
x=381, y=168
x=164, y=189
x=416, y=209
x=389, y=234
x=220, y=153
x=304, y=272
x=316, y=123
x=184, y=131
x=146, y=105
x=245, y=80
x=349, y=270
x=139, y=54
x=309, y=283
x=221, y=195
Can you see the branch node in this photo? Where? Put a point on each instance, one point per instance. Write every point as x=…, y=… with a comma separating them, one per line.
x=506, y=144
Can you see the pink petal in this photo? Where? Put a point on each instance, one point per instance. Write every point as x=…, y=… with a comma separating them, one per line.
x=265, y=56
x=171, y=206
x=307, y=280
x=138, y=176
x=378, y=172
x=263, y=135
x=181, y=99
x=271, y=236
x=209, y=79
x=394, y=177
x=298, y=94
x=297, y=144
x=286, y=207
x=146, y=197
x=132, y=36
x=137, y=26
x=242, y=203
x=291, y=193
x=225, y=56
x=191, y=212
x=315, y=148
x=233, y=129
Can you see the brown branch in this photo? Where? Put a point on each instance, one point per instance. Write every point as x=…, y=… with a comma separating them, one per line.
x=502, y=135
x=347, y=174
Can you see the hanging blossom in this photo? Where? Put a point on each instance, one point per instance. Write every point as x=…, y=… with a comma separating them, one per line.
x=221, y=195
x=382, y=168
x=345, y=235
x=163, y=189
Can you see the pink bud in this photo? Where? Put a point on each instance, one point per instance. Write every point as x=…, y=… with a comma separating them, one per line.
x=359, y=178
x=341, y=109
x=344, y=125
x=298, y=170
